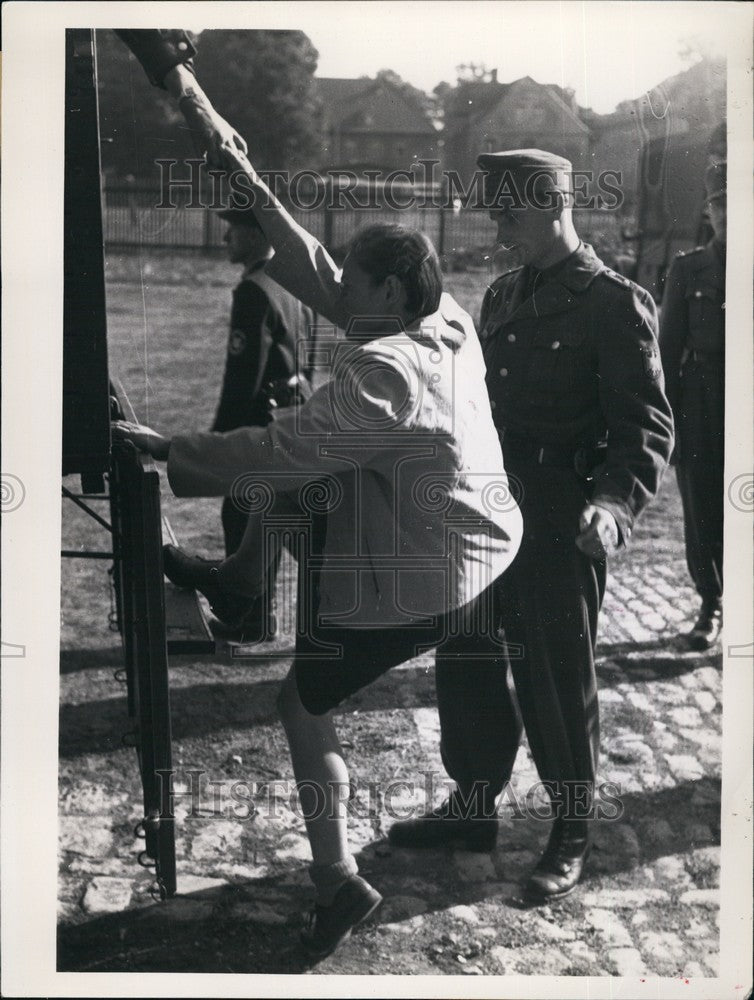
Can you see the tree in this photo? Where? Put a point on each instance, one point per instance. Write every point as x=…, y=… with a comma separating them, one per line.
x=263, y=82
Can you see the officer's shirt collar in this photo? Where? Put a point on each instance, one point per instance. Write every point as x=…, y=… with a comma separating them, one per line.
x=579, y=270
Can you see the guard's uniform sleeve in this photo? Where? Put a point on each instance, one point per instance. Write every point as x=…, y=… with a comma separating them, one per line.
x=313, y=439
x=159, y=50
x=252, y=325
x=638, y=415
x=674, y=329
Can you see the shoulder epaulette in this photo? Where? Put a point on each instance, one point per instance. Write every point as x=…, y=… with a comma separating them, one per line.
x=513, y=270
x=502, y=277
x=617, y=278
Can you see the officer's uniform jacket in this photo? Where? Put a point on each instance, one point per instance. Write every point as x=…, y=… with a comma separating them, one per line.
x=577, y=363
x=430, y=522
x=693, y=313
x=266, y=323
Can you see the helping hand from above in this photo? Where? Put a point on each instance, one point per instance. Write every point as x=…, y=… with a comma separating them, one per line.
x=143, y=438
x=211, y=134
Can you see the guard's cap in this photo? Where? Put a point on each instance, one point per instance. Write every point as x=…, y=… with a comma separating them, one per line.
x=523, y=175
x=240, y=216
x=716, y=180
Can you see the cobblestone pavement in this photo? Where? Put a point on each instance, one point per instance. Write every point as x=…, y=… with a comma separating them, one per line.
x=649, y=901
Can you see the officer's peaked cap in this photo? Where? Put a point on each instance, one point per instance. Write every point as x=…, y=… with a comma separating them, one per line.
x=520, y=165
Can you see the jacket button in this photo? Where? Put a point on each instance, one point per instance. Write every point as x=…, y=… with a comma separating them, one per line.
x=512, y=338
x=503, y=372
x=555, y=345
x=182, y=46
x=493, y=404
x=697, y=294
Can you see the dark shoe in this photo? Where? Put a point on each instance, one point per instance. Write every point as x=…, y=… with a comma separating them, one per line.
x=706, y=632
x=561, y=866
x=445, y=827
x=187, y=572
x=193, y=573
x=329, y=925
x=259, y=625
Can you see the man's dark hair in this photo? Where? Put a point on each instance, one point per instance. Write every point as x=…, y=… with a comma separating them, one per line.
x=388, y=248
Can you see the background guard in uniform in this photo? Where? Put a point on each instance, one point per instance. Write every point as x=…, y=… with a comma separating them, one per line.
x=692, y=343
x=266, y=322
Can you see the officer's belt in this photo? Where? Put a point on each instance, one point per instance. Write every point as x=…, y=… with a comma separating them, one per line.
x=520, y=448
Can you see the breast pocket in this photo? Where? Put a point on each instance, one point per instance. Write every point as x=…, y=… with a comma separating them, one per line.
x=561, y=362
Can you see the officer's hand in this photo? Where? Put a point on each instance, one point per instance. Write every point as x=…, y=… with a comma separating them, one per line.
x=211, y=134
x=599, y=532
x=143, y=438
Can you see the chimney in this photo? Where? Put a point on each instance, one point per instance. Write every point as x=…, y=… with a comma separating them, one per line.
x=493, y=76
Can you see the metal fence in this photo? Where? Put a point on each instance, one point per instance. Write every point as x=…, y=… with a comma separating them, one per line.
x=133, y=217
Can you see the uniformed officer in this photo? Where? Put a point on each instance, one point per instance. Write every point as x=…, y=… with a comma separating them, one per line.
x=692, y=343
x=266, y=323
x=576, y=386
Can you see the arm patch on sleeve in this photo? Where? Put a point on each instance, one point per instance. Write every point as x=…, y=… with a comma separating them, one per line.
x=652, y=363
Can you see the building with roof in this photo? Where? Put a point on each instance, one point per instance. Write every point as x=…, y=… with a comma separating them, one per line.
x=486, y=116
x=677, y=119
x=368, y=123
x=660, y=144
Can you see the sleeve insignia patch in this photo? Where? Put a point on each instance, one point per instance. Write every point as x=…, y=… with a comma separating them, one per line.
x=236, y=342
x=652, y=363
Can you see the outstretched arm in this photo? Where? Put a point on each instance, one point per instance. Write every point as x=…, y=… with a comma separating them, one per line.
x=301, y=264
